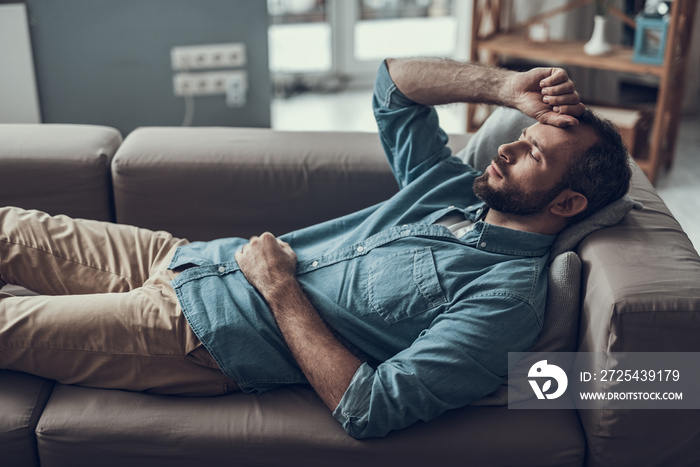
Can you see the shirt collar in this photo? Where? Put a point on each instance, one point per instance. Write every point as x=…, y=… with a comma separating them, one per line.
x=503, y=240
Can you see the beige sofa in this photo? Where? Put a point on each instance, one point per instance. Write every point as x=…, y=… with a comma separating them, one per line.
x=640, y=292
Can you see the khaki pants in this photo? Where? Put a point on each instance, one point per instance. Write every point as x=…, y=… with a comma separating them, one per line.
x=108, y=317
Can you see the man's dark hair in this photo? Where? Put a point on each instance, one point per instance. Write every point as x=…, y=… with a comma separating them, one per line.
x=602, y=173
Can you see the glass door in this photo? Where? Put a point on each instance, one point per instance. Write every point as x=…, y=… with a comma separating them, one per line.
x=350, y=38
x=299, y=35
x=404, y=28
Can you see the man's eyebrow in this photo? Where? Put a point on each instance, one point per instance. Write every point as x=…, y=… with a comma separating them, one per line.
x=533, y=141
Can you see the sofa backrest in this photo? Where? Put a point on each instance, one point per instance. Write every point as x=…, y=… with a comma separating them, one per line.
x=58, y=168
x=206, y=183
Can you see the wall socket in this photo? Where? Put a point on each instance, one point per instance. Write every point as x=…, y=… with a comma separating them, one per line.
x=200, y=57
x=237, y=91
x=212, y=83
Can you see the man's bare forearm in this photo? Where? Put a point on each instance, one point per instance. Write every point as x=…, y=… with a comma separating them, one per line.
x=325, y=362
x=546, y=94
x=436, y=81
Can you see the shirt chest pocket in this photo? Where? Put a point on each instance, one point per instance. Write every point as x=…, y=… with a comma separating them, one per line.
x=404, y=284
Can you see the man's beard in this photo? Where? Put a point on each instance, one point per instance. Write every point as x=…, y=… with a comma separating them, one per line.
x=511, y=199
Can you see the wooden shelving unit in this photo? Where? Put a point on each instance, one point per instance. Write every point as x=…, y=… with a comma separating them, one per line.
x=491, y=45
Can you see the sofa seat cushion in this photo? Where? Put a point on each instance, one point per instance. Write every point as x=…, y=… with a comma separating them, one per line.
x=58, y=168
x=22, y=398
x=290, y=427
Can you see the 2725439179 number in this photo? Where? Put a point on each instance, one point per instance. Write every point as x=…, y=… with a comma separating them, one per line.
x=639, y=375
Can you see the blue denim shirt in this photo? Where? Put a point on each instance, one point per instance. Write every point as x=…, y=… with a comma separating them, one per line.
x=435, y=314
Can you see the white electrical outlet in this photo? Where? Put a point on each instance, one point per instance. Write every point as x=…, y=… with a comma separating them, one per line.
x=209, y=83
x=237, y=90
x=200, y=57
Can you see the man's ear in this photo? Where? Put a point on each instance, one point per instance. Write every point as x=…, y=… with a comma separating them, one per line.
x=568, y=203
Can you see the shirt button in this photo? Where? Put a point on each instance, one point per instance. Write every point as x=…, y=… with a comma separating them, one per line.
x=314, y=264
x=222, y=269
x=483, y=245
x=360, y=249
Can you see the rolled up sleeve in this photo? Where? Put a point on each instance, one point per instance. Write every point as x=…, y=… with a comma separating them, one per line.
x=460, y=359
x=410, y=133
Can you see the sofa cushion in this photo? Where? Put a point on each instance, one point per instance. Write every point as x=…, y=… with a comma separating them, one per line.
x=22, y=398
x=58, y=168
x=260, y=179
x=166, y=178
x=285, y=427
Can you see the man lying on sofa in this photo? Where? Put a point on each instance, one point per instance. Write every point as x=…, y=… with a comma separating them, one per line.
x=393, y=314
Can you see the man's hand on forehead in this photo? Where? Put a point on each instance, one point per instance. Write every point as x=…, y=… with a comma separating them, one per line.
x=548, y=95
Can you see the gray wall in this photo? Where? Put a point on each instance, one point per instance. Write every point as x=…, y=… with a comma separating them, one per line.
x=108, y=61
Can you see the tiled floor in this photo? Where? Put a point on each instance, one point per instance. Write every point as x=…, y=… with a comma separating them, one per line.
x=351, y=111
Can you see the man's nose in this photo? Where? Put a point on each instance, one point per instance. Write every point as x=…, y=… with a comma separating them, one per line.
x=510, y=152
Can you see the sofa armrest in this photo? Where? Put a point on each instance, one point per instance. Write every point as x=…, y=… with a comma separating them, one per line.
x=641, y=288
x=641, y=282
x=58, y=168
x=206, y=183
